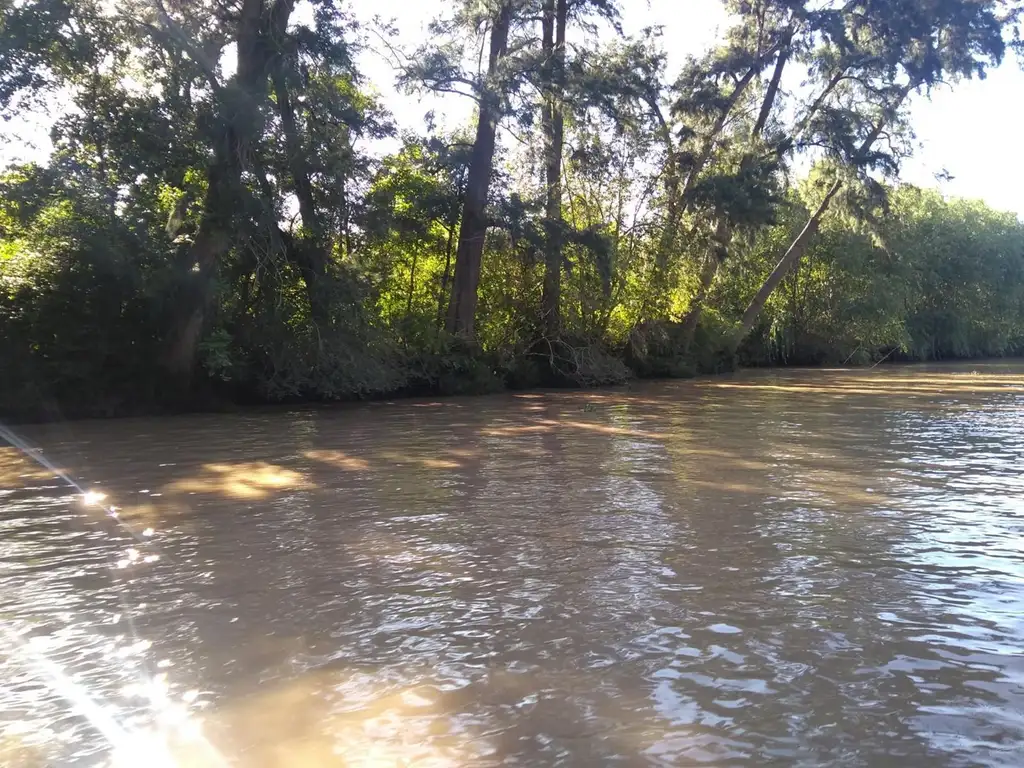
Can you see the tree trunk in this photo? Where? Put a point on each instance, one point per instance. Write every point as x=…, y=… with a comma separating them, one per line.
x=242, y=119
x=709, y=142
x=719, y=249
x=449, y=247
x=446, y=275
x=773, y=89
x=555, y=16
x=297, y=164
x=792, y=255
x=469, y=255
x=310, y=253
x=412, y=284
x=670, y=232
x=667, y=241
x=212, y=241
x=345, y=230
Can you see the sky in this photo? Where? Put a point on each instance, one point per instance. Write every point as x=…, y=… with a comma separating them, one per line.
x=970, y=131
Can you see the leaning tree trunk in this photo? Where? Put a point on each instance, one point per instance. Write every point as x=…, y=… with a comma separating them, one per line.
x=792, y=256
x=555, y=17
x=679, y=192
x=718, y=251
x=469, y=255
x=799, y=246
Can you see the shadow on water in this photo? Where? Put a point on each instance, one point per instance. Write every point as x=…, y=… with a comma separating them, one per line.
x=791, y=568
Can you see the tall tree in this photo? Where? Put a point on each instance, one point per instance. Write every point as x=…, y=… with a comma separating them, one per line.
x=242, y=101
x=473, y=232
x=767, y=31
x=555, y=15
x=445, y=66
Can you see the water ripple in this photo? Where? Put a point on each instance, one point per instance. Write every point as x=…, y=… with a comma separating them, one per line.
x=794, y=569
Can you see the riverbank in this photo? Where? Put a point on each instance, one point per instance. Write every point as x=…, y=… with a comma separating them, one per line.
x=460, y=371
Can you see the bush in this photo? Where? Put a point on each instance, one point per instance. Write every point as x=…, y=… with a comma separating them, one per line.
x=577, y=362
x=450, y=366
x=659, y=350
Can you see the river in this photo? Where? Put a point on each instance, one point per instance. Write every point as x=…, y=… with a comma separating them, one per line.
x=795, y=568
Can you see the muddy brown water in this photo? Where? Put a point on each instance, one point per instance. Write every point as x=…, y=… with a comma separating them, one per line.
x=794, y=568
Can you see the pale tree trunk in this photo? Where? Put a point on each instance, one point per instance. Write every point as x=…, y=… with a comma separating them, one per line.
x=792, y=256
x=449, y=248
x=670, y=232
x=656, y=298
x=446, y=275
x=668, y=240
x=472, y=233
x=555, y=17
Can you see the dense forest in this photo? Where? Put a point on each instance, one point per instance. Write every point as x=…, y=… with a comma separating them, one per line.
x=230, y=214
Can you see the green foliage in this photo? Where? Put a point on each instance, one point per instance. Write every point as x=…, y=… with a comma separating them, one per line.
x=661, y=350
x=81, y=298
x=450, y=366
x=203, y=232
x=936, y=279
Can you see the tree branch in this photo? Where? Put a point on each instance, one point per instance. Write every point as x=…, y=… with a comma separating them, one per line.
x=170, y=33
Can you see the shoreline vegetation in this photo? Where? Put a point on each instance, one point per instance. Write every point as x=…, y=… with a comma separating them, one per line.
x=212, y=403
x=231, y=215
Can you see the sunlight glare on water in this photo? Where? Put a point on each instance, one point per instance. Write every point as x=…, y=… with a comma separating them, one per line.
x=792, y=568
